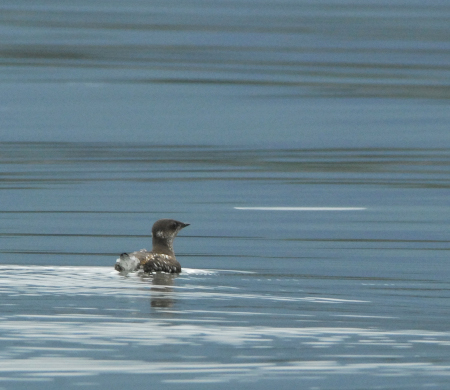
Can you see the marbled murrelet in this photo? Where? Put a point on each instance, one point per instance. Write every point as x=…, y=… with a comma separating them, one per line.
x=162, y=257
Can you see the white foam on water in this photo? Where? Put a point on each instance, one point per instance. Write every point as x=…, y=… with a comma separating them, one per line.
x=77, y=280
x=97, y=281
x=194, y=271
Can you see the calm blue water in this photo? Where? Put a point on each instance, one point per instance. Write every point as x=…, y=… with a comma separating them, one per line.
x=218, y=114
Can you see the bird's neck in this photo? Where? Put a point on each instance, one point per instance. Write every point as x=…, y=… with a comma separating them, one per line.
x=164, y=246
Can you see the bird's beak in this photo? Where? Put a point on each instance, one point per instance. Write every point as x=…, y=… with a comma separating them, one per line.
x=183, y=225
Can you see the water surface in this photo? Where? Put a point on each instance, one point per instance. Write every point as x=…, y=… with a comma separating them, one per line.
x=305, y=142
x=331, y=297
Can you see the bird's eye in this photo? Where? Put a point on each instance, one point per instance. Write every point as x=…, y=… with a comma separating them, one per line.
x=174, y=225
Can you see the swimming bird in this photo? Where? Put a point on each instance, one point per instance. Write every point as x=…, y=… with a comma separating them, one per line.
x=162, y=257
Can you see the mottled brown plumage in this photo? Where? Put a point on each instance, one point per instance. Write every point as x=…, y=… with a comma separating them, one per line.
x=162, y=257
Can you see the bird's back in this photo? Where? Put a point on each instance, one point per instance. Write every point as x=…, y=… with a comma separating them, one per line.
x=151, y=262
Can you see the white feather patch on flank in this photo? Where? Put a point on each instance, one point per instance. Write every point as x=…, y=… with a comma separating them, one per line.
x=128, y=263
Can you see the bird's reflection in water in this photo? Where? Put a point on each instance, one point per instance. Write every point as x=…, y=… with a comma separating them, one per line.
x=161, y=291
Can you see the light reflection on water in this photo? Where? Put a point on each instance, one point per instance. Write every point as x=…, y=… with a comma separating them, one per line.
x=89, y=320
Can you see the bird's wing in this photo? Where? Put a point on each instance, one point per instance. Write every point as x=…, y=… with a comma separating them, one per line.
x=161, y=263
